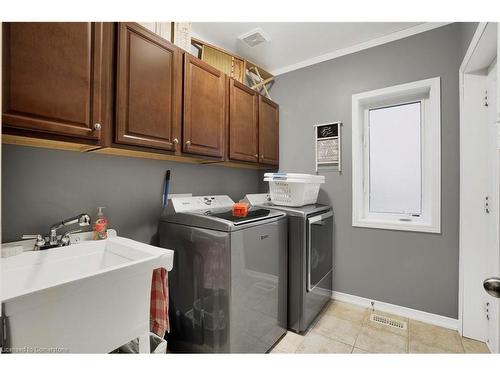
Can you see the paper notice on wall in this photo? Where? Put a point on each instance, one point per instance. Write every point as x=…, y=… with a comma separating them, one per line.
x=328, y=139
x=328, y=151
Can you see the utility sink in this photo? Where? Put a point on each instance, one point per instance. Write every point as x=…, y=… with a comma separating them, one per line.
x=88, y=297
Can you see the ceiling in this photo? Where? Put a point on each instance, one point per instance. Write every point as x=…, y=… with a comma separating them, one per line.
x=297, y=44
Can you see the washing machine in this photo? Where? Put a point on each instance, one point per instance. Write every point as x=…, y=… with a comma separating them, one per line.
x=228, y=285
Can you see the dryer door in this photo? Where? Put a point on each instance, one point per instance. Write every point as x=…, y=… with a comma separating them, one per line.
x=319, y=248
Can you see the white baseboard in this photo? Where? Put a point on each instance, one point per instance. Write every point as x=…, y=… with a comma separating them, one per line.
x=406, y=312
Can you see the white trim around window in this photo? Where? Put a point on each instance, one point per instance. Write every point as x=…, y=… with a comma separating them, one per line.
x=427, y=93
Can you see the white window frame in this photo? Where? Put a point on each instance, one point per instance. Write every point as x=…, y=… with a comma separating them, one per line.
x=428, y=93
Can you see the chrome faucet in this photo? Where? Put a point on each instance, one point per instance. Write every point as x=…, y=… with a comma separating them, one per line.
x=83, y=220
x=53, y=239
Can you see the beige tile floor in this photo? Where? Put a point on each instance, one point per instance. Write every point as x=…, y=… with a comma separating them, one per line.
x=346, y=328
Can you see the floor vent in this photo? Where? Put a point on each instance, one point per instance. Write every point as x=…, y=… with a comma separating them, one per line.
x=380, y=319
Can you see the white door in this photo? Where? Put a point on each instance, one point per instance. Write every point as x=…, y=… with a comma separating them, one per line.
x=479, y=189
x=493, y=254
x=474, y=221
x=494, y=328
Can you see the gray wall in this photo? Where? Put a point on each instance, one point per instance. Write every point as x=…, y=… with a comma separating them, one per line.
x=41, y=187
x=415, y=270
x=467, y=32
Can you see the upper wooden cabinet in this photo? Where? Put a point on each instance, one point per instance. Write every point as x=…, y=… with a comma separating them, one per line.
x=268, y=131
x=121, y=84
x=243, y=123
x=204, y=108
x=149, y=89
x=55, y=77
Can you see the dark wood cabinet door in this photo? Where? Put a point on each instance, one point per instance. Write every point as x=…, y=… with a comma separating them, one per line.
x=204, y=108
x=149, y=80
x=55, y=78
x=268, y=131
x=243, y=123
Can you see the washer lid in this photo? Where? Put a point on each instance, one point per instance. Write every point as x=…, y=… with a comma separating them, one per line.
x=223, y=220
x=200, y=204
x=253, y=215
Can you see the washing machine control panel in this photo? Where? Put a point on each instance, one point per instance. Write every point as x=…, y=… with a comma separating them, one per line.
x=202, y=203
x=257, y=199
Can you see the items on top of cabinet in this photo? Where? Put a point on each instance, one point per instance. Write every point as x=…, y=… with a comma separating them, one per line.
x=227, y=62
x=182, y=35
x=236, y=67
x=163, y=29
x=178, y=33
x=262, y=80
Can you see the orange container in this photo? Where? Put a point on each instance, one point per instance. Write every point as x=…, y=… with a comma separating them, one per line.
x=240, y=209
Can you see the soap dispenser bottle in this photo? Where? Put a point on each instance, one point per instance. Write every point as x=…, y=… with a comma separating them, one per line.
x=100, y=225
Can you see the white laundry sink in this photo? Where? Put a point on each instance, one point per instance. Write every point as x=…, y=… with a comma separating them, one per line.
x=88, y=297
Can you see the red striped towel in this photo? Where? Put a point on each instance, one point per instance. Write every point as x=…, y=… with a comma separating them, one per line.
x=158, y=321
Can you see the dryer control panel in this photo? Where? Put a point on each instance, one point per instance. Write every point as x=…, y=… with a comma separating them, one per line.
x=202, y=203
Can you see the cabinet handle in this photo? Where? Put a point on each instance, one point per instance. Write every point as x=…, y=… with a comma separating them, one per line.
x=256, y=156
x=175, y=141
x=262, y=156
x=97, y=126
x=188, y=143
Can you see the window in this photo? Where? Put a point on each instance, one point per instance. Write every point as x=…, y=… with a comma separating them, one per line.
x=394, y=155
x=397, y=157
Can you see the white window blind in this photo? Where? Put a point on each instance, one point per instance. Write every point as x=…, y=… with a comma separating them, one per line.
x=395, y=182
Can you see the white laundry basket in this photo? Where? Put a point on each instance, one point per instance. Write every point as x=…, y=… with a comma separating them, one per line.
x=293, y=189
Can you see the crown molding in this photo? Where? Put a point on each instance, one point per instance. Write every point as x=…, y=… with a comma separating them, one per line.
x=361, y=46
